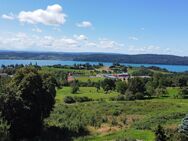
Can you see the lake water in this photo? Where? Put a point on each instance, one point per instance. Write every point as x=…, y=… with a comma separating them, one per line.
x=175, y=68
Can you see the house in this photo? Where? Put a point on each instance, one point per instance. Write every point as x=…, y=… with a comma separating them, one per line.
x=70, y=77
x=140, y=77
x=122, y=76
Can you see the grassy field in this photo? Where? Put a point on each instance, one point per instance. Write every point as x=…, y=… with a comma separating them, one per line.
x=117, y=119
x=173, y=92
x=145, y=135
x=90, y=92
x=83, y=72
x=92, y=79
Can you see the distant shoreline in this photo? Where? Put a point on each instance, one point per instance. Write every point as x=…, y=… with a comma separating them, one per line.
x=173, y=68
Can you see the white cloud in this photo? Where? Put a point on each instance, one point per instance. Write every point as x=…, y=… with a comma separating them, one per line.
x=80, y=37
x=109, y=44
x=8, y=17
x=84, y=24
x=52, y=15
x=38, y=42
x=133, y=38
x=36, y=29
x=25, y=42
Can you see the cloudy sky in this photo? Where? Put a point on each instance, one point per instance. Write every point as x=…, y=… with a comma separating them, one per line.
x=115, y=26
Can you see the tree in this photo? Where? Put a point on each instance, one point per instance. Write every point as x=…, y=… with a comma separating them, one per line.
x=184, y=93
x=136, y=85
x=150, y=90
x=121, y=87
x=108, y=85
x=98, y=86
x=69, y=100
x=182, y=81
x=125, y=69
x=161, y=92
x=130, y=95
x=139, y=96
x=28, y=99
x=160, y=134
x=74, y=87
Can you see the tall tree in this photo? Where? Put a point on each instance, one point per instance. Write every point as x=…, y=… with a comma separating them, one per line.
x=121, y=87
x=136, y=85
x=28, y=99
x=108, y=85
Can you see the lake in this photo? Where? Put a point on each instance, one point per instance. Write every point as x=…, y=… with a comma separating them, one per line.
x=175, y=68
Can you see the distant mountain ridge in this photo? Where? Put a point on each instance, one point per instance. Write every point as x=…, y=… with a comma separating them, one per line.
x=97, y=57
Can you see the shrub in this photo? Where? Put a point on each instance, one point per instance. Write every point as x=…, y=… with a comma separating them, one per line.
x=129, y=96
x=4, y=134
x=121, y=87
x=160, y=134
x=82, y=99
x=184, y=93
x=120, y=98
x=139, y=96
x=69, y=100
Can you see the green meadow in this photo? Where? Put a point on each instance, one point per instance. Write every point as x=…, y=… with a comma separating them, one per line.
x=112, y=120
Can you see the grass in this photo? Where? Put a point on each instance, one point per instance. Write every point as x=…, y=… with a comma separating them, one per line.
x=52, y=69
x=134, y=119
x=136, y=69
x=173, y=92
x=92, y=79
x=90, y=92
x=145, y=135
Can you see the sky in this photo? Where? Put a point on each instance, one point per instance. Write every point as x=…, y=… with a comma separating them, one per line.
x=110, y=26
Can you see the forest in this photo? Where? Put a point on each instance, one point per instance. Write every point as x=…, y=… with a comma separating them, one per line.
x=97, y=57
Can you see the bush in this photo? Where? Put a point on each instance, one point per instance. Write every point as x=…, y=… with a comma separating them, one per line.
x=139, y=96
x=120, y=98
x=75, y=87
x=82, y=99
x=161, y=92
x=160, y=134
x=69, y=100
x=121, y=87
x=184, y=93
x=129, y=96
x=4, y=134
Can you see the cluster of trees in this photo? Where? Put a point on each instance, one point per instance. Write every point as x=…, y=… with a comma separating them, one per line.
x=134, y=59
x=118, y=68
x=143, y=72
x=140, y=88
x=86, y=66
x=11, y=69
x=27, y=99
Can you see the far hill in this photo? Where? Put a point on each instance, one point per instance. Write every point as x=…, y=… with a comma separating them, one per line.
x=97, y=57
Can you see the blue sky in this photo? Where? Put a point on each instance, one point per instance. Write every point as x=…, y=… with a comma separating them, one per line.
x=116, y=26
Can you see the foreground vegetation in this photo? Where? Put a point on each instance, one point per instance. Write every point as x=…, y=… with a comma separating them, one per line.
x=92, y=109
